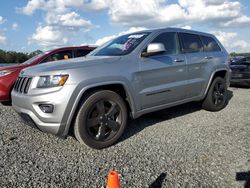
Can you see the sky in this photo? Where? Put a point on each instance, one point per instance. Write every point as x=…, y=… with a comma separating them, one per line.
x=29, y=25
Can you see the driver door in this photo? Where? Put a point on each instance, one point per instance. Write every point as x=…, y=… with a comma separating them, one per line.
x=164, y=75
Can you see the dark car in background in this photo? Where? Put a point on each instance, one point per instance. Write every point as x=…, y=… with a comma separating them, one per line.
x=9, y=74
x=241, y=72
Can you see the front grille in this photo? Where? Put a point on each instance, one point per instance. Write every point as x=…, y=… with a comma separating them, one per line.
x=22, y=84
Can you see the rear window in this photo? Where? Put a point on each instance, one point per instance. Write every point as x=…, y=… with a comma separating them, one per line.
x=81, y=52
x=191, y=43
x=210, y=45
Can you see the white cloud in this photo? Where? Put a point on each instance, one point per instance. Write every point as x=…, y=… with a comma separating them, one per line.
x=31, y=7
x=60, y=25
x=95, y=5
x=2, y=20
x=71, y=20
x=232, y=41
x=186, y=27
x=14, y=26
x=48, y=36
x=62, y=16
x=59, y=29
x=2, y=39
x=237, y=22
x=108, y=38
x=61, y=6
x=160, y=13
x=151, y=13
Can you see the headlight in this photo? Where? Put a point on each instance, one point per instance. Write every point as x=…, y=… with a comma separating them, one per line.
x=6, y=72
x=52, y=81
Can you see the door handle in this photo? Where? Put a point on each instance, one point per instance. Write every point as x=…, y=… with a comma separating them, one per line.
x=179, y=60
x=208, y=57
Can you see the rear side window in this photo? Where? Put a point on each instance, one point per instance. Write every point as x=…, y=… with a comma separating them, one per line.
x=62, y=55
x=247, y=59
x=81, y=52
x=169, y=41
x=210, y=45
x=191, y=43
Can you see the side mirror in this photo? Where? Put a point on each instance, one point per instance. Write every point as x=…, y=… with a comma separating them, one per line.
x=154, y=49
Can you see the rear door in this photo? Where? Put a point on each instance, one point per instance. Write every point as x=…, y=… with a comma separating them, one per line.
x=163, y=76
x=192, y=47
x=214, y=56
x=81, y=52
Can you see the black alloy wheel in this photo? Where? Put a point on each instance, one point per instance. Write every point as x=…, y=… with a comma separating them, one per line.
x=218, y=93
x=101, y=119
x=217, y=96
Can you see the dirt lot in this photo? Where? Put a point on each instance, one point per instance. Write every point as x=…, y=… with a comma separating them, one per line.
x=183, y=146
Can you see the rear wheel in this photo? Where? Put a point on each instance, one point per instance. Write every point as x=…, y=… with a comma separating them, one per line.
x=216, y=98
x=101, y=119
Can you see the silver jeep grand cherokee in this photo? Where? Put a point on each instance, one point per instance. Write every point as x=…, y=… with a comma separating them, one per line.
x=133, y=74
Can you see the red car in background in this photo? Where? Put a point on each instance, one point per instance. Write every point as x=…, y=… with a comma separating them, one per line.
x=9, y=74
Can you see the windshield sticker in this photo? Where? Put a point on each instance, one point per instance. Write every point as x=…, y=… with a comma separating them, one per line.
x=138, y=36
x=128, y=44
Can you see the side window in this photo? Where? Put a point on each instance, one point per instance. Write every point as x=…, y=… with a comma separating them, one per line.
x=244, y=60
x=62, y=55
x=169, y=41
x=190, y=43
x=247, y=59
x=81, y=52
x=210, y=45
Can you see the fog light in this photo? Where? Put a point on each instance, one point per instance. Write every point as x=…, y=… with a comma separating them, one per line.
x=46, y=108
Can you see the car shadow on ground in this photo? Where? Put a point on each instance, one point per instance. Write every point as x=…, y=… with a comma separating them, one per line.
x=245, y=177
x=137, y=125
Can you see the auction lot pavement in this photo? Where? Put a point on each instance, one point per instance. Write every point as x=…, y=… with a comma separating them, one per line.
x=184, y=146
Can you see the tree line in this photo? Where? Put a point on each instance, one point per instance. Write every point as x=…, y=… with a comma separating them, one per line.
x=234, y=54
x=16, y=57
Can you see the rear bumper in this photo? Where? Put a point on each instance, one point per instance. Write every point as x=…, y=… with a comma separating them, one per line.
x=240, y=78
x=240, y=81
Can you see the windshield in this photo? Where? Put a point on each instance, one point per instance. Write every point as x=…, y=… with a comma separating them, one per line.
x=122, y=45
x=29, y=61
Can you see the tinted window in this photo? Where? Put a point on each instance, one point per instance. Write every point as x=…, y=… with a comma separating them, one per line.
x=169, y=41
x=210, y=45
x=190, y=43
x=248, y=59
x=81, y=52
x=63, y=55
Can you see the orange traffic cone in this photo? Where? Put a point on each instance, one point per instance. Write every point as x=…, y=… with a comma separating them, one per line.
x=113, y=180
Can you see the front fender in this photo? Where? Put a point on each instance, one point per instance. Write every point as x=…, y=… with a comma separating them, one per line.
x=79, y=93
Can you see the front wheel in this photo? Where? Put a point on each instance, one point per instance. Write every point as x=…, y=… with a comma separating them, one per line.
x=101, y=119
x=217, y=97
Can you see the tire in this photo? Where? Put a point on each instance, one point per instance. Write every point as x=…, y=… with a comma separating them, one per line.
x=6, y=103
x=217, y=97
x=101, y=119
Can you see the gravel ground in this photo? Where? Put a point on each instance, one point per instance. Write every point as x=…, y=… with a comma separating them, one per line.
x=183, y=146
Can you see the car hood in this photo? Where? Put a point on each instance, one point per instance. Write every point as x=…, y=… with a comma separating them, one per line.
x=12, y=67
x=73, y=63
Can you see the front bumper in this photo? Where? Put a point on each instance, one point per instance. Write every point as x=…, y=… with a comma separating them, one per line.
x=240, y=77
x=27, y=105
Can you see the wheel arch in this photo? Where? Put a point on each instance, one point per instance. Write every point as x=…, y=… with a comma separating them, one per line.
x=218, y=73
x=119, y=87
